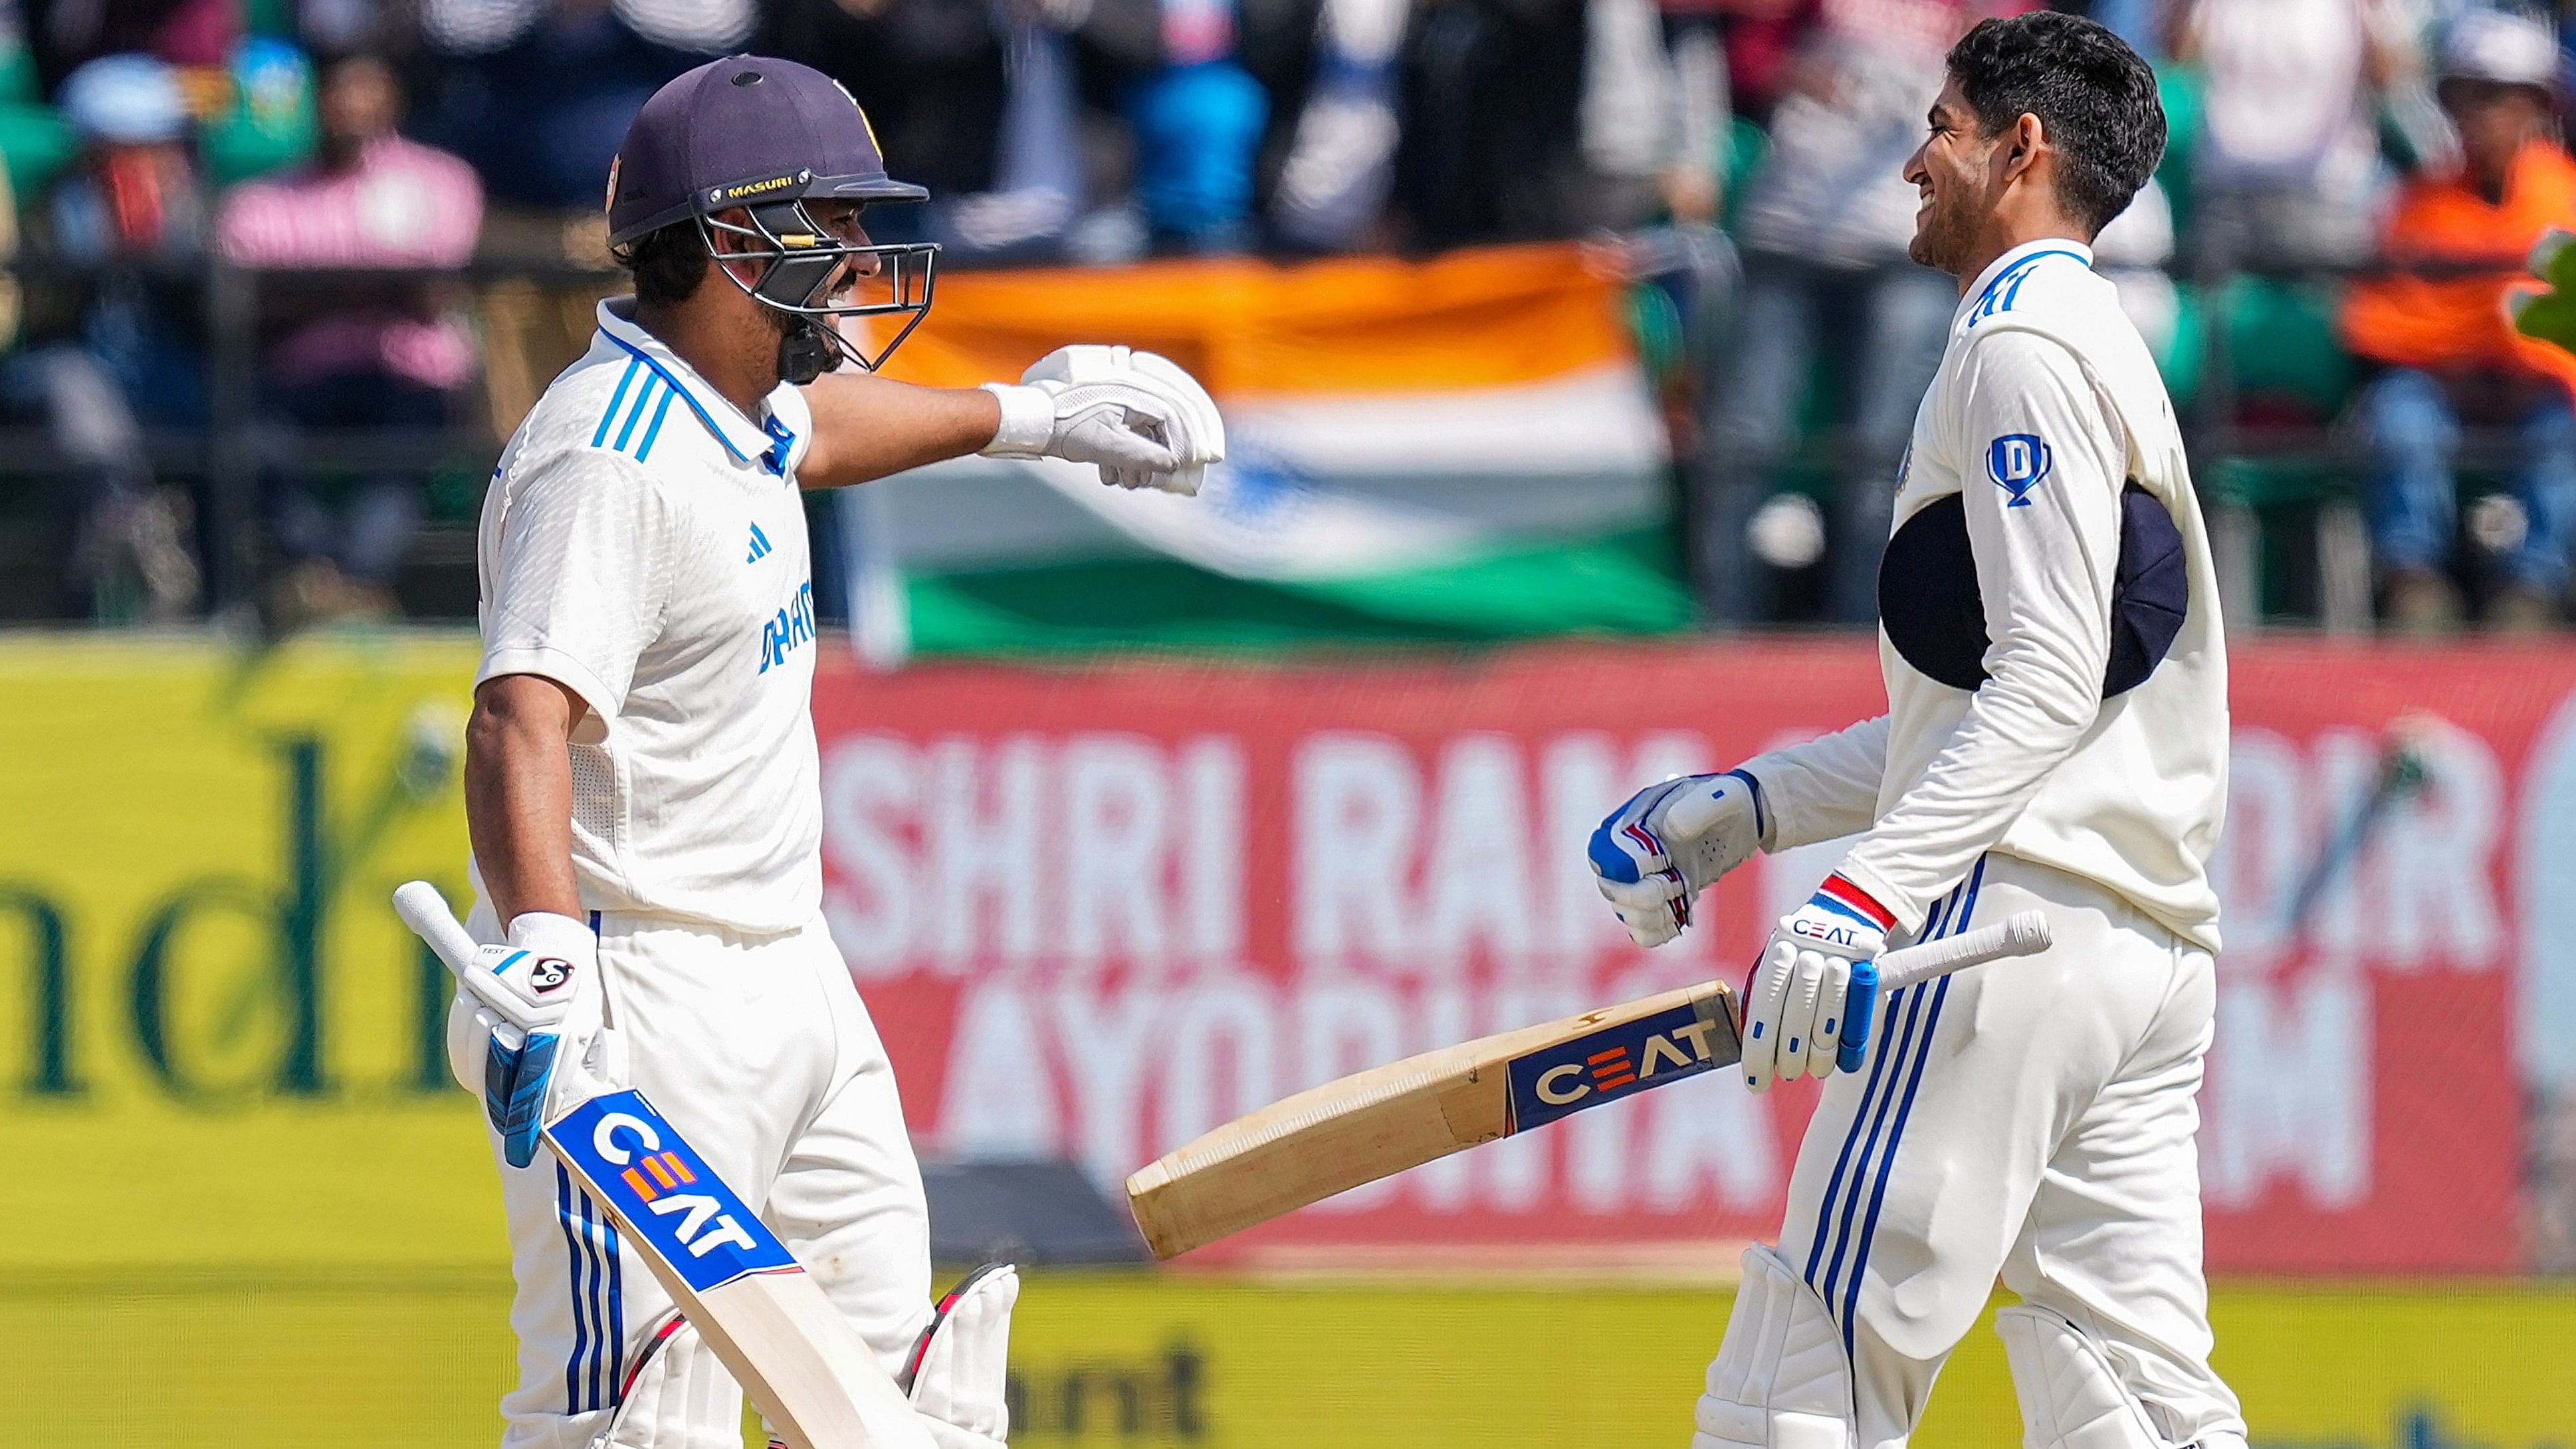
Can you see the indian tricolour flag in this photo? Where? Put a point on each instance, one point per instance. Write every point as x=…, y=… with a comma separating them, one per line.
x=1461, y=448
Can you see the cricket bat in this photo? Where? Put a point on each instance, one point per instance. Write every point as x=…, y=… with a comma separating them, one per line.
x=806, y=1369
x=1376, y=1123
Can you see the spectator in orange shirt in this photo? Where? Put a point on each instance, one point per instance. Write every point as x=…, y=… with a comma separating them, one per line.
x=2451, y=357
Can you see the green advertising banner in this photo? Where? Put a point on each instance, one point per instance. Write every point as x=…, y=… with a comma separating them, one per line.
x=219, y=1046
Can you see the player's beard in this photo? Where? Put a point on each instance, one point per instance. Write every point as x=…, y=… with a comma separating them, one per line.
x=1942, y=237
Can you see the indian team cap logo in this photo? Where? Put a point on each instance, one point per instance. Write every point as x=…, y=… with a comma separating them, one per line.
x=609, y=202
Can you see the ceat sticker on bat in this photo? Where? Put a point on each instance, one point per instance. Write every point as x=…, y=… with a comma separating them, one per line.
x=650, y=1176
x=1569, y=1076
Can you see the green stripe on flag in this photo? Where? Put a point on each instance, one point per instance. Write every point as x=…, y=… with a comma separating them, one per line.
x=1622, y=584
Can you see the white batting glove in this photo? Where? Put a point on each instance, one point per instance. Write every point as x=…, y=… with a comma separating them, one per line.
x=961, y=1366
x=539, y=997
x=1656, y=853
x=1143, y=420
x=1794, y=1005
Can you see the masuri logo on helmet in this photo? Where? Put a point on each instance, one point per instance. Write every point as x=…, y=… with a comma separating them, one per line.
x=756, y=188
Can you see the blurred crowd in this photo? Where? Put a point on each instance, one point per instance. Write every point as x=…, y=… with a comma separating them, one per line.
x=2348, y=178
x=2373, y=164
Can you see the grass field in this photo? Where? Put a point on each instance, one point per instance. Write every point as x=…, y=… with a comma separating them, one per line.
x=414, y=1360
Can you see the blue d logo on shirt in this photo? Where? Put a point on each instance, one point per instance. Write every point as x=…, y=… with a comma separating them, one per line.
x=2017, y=462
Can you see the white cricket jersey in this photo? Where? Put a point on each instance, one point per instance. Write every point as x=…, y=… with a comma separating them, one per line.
x=643, y=544
x=2047, y=407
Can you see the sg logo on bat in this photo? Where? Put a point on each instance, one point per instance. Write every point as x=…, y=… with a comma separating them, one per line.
x=650, y=1175
x=1569, y=1076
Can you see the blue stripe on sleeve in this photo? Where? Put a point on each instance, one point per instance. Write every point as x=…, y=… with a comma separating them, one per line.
x=635, y=414
x=685, y=396
x=644, y=450
x=2004, y=292
x=610, y=416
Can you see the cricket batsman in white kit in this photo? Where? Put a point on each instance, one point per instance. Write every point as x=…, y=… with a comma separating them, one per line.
x=641, y=774
x=2055, y=739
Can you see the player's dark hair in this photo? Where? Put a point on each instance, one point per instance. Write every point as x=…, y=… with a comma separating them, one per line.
x=2096, y=97
x=668, y=262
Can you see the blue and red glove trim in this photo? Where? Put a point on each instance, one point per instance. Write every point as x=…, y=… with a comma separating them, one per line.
x=1840, y=895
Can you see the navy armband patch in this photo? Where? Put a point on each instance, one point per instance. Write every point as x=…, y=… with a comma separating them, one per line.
x=1935, y=614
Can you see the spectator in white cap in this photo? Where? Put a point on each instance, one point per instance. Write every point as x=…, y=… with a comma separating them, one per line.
x=2449, y=357
x=135, y=192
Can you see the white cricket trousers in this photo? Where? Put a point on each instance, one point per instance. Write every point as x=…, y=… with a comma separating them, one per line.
x=760, y=1052
x=2030, y=1119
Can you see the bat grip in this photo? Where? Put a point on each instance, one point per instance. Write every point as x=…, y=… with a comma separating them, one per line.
x=2021, y=934
x=1860, y=1007
x=426, y=911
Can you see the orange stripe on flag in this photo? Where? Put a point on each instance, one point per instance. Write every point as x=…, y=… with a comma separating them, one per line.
x=636, y=1181
x=660, y=1173
x=1483, y=317
x=678, y=1168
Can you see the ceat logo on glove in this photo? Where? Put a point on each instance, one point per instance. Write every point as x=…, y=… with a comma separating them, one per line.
x=547, y=973
x=1830, y=934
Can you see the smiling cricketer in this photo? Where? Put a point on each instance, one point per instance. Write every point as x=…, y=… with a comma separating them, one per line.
x=2055, y=739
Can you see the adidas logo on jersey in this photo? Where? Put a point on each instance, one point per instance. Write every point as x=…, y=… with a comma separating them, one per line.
x=759, y=545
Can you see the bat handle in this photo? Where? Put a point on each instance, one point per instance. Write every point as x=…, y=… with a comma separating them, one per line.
x=2021, y=934
x=1860, y=1006
x=426, y=912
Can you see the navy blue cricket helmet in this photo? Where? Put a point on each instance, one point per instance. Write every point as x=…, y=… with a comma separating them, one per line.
x=766, y=137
